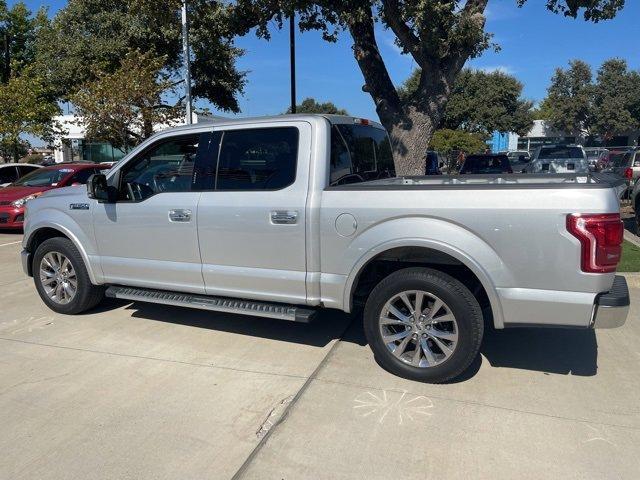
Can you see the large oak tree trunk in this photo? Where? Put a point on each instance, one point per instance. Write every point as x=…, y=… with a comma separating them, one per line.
x=410, y=136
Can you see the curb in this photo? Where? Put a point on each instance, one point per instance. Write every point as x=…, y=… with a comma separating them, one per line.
x=630, y=237
x=633, y=279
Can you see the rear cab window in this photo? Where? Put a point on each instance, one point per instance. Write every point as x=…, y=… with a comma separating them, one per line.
x=359, y=153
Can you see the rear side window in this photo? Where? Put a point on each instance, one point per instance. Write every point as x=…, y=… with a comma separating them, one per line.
x=359, y=153
x=257, y=159
x=24, y=169
x=8, y=174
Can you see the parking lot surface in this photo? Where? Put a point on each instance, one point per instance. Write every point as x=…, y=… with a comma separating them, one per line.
x=139, y=391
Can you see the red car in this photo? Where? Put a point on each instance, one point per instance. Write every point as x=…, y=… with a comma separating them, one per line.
x=14, y=197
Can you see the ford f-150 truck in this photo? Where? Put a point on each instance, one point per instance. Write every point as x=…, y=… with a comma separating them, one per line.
x=279, y=217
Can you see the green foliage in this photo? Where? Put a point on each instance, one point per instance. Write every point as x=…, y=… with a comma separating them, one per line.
x=482, y=102
x=27, y=108
x=310, y=105
x=577, y=105
x=122, y=107
x=616, y=97
x=90, y=38
x=593, y=10
x=20, y=28
x=447, y=141
x=569, y=103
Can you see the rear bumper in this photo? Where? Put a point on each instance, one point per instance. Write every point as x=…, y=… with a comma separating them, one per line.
x=611, y=309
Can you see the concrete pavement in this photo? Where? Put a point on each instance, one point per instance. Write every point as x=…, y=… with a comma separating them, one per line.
x=142, y=391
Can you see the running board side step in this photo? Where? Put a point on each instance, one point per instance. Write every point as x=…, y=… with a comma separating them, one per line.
x=217, y=304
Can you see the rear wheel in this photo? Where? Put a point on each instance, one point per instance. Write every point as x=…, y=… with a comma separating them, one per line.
x=423, y=324
x=61, y=277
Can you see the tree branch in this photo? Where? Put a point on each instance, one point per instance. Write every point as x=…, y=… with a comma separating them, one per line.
x=406, y=36
x=473, y=11
x=377, y=79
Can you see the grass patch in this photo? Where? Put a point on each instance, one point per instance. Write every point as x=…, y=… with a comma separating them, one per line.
x=630, y=258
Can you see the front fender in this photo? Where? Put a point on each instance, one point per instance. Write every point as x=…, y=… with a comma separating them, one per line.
x=80, y=234
x=435, y=234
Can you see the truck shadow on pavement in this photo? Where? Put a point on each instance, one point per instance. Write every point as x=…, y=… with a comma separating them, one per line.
x=547, y=350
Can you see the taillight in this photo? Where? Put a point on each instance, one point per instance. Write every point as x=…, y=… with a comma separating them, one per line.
x=600, y=238
x=628, y=173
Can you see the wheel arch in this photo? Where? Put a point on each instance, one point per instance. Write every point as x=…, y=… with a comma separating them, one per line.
x=434, y=254
x=51, y=230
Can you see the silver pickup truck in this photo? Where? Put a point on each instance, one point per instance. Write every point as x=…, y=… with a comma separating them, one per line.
x=279, y=217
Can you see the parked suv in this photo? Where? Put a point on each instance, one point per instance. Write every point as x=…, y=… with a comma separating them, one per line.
x=559, y=159
x=279, y=217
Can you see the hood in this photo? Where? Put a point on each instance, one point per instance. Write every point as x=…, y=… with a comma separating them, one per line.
x=11, y=193
x=63, y=191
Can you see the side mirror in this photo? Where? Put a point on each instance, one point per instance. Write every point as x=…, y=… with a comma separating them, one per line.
x=98, y=189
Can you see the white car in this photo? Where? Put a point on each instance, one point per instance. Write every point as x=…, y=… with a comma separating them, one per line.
x=559, y=159
x=10, y=172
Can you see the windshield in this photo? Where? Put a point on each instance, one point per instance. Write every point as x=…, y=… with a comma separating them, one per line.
x=561, y=152
x=43, y=177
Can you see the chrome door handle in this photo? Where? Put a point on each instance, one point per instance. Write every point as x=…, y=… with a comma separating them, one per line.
x=284, y=217
x=180, y=215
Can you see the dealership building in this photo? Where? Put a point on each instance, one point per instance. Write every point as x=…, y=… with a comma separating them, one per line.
x=73, y=146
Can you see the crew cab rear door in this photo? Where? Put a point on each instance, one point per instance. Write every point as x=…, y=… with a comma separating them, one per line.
x=251, y=215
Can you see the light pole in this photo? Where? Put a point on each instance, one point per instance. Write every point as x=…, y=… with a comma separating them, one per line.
x=187, y=61
x=292, y=53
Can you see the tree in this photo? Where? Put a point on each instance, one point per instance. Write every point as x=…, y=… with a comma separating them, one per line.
x=27, y=102
x=616, y=99
x=568, y=106
x=122, y=107
x=26, y=108
x=310, y=105
x=90, y=38
x=482, y=102
x=447, y=141
x=19, y=29
x=440, y=35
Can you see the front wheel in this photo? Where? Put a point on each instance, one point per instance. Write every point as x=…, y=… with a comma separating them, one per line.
x=423, y=324
x=61, y=277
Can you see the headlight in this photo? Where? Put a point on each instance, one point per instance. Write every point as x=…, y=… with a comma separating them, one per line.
x=21, y=201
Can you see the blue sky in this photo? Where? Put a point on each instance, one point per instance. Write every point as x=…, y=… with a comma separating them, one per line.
x=533, y=43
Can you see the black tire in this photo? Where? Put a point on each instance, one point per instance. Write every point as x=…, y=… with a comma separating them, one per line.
x=87, y=295
x=462, y=304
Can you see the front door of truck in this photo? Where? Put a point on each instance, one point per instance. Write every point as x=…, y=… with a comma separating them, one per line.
x=251, y=216
x=149, y=237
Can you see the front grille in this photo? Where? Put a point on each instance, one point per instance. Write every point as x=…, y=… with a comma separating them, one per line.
x=5, y=203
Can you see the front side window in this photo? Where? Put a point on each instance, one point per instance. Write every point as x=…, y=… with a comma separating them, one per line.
x=164, y=167
x=257, y=159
